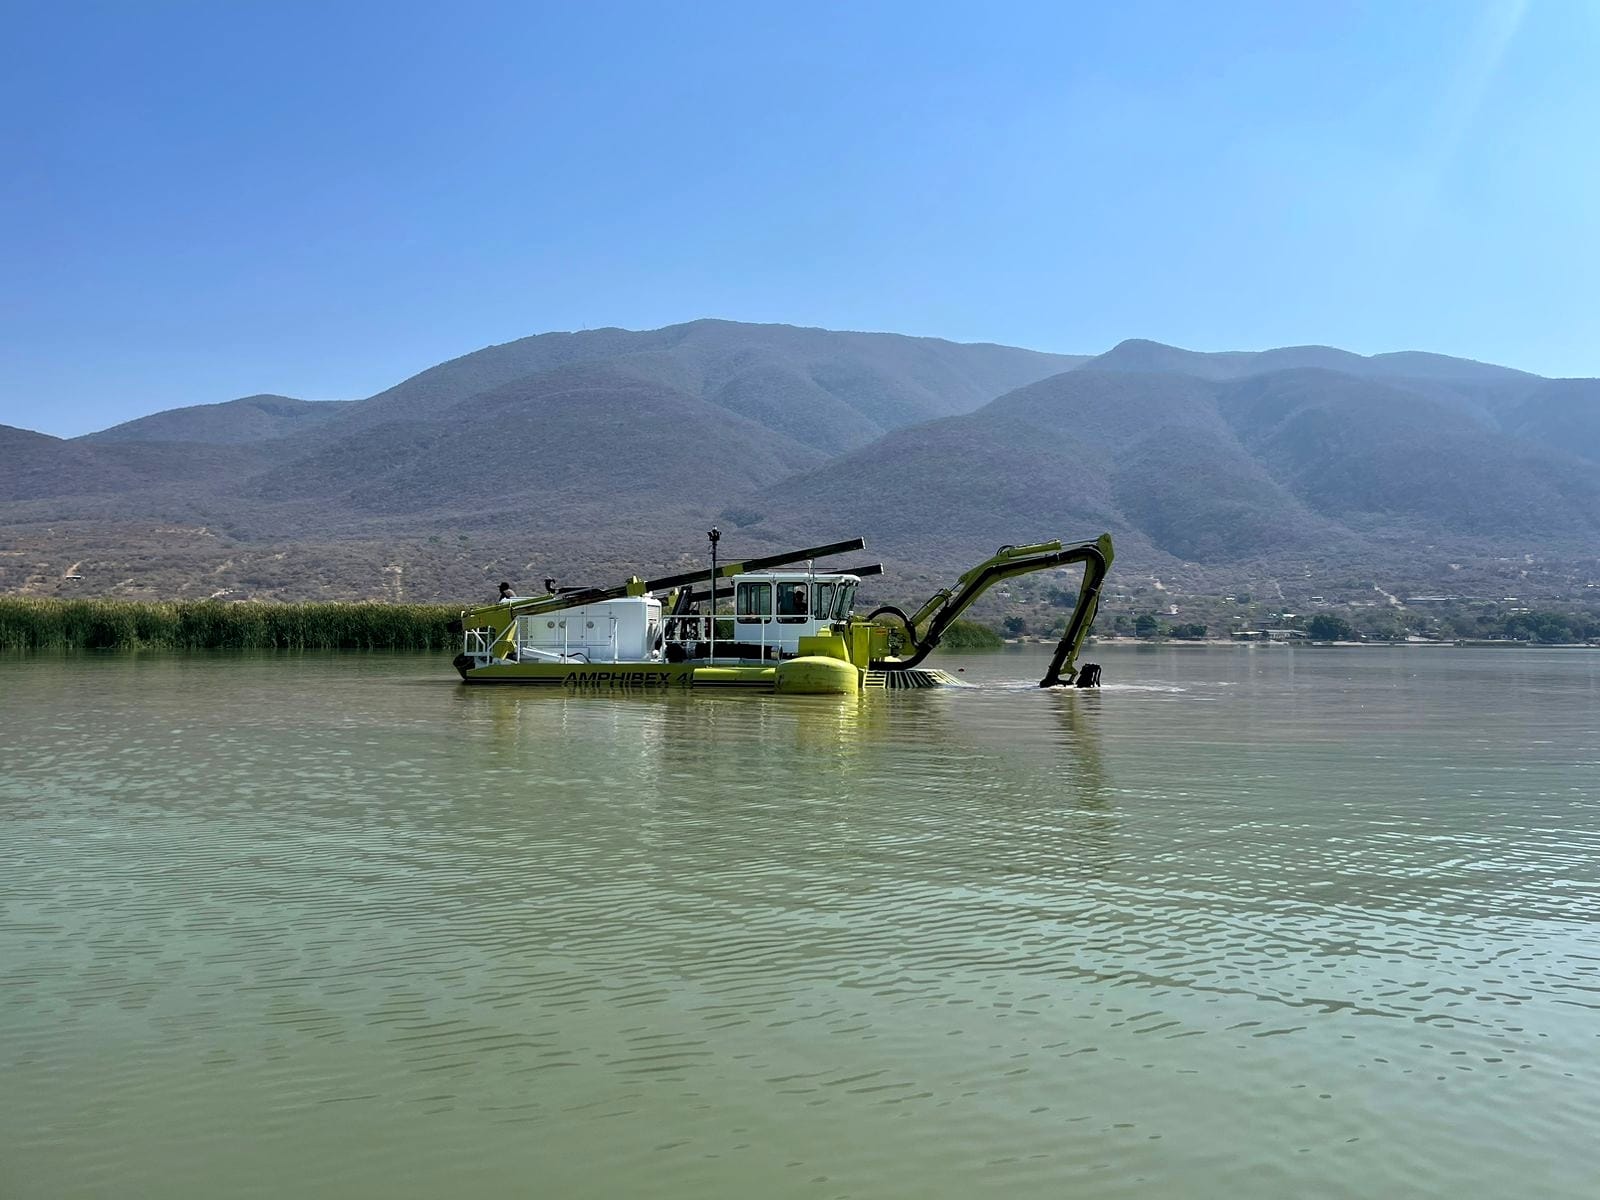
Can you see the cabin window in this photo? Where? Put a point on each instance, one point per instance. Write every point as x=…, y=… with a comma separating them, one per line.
x=792, y=602
x=822, y=600
x=753, y=602
x=847, y=597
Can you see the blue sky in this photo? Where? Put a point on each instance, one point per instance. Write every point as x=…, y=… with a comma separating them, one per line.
x=207, y=200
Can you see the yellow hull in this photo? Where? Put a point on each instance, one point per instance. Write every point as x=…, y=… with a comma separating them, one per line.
x=623, y=675
x=814, y=675
x=806, y=676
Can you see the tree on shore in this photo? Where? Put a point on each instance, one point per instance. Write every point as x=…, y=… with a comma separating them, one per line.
x=1325, y=627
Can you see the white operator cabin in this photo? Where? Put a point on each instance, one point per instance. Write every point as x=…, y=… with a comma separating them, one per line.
x=778, y=608
x=772, y=611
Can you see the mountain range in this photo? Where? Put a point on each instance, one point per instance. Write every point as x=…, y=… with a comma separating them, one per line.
x=603, y=452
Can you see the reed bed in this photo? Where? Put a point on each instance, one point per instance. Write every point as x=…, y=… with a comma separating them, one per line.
x=971, y=635
x=39, y=624
x=960, y=635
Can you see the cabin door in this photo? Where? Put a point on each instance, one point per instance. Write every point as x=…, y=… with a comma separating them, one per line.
x=752, y=609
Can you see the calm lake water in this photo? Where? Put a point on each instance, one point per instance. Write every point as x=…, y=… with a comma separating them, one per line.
x=1247, y=923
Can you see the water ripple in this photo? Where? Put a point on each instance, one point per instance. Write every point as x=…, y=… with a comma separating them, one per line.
x=1264, y=923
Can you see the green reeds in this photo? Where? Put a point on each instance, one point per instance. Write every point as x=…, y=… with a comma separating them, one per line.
x=38, y=624
x=970, y=635
x=960, y=635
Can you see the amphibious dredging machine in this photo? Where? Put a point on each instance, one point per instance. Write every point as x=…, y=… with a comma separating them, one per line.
x=793, y=627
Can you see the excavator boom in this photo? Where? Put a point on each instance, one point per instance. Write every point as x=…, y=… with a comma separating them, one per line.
x=926, y=627
x=572, y=597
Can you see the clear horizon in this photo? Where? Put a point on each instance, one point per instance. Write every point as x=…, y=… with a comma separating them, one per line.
x=213, y=203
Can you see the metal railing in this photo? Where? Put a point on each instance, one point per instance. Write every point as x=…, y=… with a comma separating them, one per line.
x=693, y=634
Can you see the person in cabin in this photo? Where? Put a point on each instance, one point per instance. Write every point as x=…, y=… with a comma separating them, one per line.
x=505, y=593
x=791, y=600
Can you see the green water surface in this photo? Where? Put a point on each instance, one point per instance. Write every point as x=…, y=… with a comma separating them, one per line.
x=1247, y=923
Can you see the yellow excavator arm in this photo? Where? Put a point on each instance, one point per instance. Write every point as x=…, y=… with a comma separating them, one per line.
x=926, y=627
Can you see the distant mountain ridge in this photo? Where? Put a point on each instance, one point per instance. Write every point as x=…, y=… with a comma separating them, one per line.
x=1562, y=415
x=233, y=422
x=1295, y=465
x=1137, y=354
x=831, y=390
x=579, y=448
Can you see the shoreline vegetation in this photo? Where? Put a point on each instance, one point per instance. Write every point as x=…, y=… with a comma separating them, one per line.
x=30, y=623
x=971, y=635
x=1214, y=620
x=43, y=624
x=1166, y=643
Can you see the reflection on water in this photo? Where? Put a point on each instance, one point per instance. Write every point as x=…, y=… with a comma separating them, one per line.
x=1252, y=922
